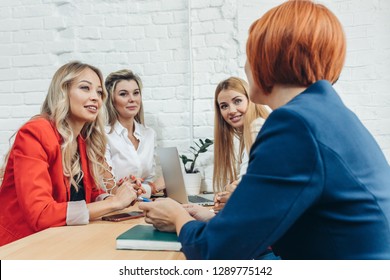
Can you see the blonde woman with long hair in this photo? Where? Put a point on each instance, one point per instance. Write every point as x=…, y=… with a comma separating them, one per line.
x=53, y=174
x=131, y=143
x=237, y=122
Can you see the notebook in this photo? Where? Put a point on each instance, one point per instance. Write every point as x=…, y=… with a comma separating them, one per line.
x=146, y=237
x=174, y=181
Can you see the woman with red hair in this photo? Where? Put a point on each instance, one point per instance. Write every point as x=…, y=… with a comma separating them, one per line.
x=317, y=184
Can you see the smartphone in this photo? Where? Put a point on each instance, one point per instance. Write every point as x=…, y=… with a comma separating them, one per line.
x=123, y=216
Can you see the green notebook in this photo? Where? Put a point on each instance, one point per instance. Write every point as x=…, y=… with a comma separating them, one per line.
x=146, y=237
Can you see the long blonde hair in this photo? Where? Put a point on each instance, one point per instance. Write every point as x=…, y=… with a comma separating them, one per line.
x=56, y=108
x=110, y=83
x=225, y=157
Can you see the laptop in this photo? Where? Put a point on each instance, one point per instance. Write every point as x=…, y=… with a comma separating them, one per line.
x=174, y=180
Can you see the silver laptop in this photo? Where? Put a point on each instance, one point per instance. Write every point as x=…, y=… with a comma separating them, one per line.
x=174, y=180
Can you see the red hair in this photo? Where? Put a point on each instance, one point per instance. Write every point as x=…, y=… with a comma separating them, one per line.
x=296, y=43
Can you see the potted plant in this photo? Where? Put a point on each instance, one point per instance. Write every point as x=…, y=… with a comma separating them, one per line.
x=193, y=178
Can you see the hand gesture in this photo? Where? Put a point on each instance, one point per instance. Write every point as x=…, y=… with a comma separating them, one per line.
x=198, y=212
x=125, y=195
x=220, y=200
x=165, y=214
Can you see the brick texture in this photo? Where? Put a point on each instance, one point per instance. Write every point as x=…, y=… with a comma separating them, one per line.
x=181, y=50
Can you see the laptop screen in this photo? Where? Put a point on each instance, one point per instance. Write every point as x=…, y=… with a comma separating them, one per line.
x=173, y=176
x=172, y=173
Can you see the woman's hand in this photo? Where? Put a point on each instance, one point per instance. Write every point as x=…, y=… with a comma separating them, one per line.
x=157, y=186
x=160, y=184
x=198, y=212
x=165, y=214
x=232, y=186
x=153, y=188
x=125, y=195
x=138, y=184
x=220, y=200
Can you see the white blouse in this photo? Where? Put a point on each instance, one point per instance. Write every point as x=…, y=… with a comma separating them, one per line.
x=255, y=128
x=125, y=160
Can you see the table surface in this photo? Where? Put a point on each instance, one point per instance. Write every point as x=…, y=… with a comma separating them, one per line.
x=95, y=241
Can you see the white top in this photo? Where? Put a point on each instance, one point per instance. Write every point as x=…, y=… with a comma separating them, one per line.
x=125, y=160
x=255, y=128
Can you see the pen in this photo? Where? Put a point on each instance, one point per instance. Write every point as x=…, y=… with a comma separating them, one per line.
x=143, y=199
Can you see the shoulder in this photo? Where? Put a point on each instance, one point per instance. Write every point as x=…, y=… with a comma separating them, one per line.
x=287, y=126
x=145, y=130
x=257, y=124
x=40, y=126
x=38, y=132
x=115, y=132
x=317, y=109
x=149, y=130
x=38, y=122
x=316, y=103
x=285, y=145
x=285, y=116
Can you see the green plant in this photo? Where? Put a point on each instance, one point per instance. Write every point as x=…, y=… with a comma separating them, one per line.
x=201, y=148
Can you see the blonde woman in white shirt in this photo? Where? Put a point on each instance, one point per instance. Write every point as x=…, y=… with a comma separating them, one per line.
x=236, y=118
x=131, y=145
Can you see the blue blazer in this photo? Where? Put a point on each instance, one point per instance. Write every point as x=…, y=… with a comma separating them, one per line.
x=317, y=187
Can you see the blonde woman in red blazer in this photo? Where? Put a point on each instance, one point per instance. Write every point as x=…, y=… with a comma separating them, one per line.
x=53, y=174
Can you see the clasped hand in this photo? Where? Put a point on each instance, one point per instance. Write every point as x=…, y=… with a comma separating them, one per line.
x=127, y=192
x=125, y=195
x=165, y=214
x=136, y=184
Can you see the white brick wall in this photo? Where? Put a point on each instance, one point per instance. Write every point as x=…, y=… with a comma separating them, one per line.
x=151, y=37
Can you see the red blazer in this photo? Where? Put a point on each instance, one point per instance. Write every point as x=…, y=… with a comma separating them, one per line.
x=34, y=192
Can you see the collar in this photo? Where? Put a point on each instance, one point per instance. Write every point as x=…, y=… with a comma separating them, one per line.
x=120, y=129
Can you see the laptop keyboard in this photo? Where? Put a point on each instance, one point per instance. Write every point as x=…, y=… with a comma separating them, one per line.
x=197, y=199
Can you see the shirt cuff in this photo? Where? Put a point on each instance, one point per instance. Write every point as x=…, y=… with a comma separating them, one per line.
x=77, y=213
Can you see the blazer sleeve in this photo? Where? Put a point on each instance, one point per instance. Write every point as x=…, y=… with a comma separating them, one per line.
x=35, y=150
x=283, y=179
